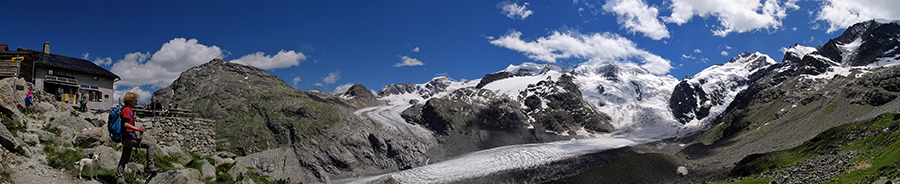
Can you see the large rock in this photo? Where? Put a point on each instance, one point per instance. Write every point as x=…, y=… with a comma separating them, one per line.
x=43, y=107
x=238, y=171
x=109, y=158
x=90, y=137
x=11, y=143
x=189, y=175
x=273, y=163
x=10, y=98
x=208, y=171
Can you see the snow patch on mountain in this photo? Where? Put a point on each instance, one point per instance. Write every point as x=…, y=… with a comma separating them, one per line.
x=849, y=50
x=533, y=69
x=723, y=82
x=636, y=99
x=799, y=51
x=512, y=87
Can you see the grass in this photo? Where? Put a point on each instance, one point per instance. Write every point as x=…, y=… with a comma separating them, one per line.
x=53, y=130
x=877, y=143
x=14, y=126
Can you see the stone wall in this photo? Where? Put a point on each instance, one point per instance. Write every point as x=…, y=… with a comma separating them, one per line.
x=190, y=134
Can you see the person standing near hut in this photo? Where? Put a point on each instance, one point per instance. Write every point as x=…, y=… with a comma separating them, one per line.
x=82, y=100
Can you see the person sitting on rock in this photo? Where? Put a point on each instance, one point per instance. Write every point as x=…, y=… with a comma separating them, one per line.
x=129, y=139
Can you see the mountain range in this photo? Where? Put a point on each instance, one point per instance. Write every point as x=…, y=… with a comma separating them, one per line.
x=539, y=115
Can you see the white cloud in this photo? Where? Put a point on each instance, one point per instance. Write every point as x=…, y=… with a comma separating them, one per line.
x=408, y=61
x=783, y=49
x=342, y=88
x=794, y=29
x=724, y=53
x=103, y=61
x=683, y=56
x=637, y=16
x=118, y=93
x=513, y=10
x=164, y=66
x=594, y=47
x=840, y=14
x=98, y=61
x=284, y=59
x=697, y=51
x=733, y=15
x=331, y=77
x=416, y=49
x=296, y=80
x=727, y=47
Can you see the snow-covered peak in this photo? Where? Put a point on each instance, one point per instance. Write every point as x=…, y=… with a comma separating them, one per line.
x=798, y=51
x=751, y=60
x=886, y=21
x=534, y=69
x=636, y=99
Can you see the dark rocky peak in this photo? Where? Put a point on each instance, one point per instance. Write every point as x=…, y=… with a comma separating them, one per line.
x=493, y=77
x=397, y=88
x=863, y=43
x=610, y=72
x=436, y=85
x=360, y=96
x=360, y=91
x=228, y=80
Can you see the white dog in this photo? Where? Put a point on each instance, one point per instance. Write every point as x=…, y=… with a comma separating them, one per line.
x=91, y=163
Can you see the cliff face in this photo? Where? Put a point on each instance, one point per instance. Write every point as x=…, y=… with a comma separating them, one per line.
x=255, y=111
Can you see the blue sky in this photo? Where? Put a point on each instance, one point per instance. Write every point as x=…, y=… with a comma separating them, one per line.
x=325, y=45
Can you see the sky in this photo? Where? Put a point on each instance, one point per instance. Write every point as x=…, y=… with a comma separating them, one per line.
x=329, y=45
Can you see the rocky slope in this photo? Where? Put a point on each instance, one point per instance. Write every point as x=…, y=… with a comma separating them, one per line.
x=287, y=133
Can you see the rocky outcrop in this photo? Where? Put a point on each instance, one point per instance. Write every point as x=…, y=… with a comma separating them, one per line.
x=361, y=97
x=9, y=141
x=397, y=88
x=492, y=77
x=316, y=135
x=689, y=102
x=91, y=137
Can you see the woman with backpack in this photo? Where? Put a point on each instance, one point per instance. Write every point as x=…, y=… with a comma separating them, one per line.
x=129, y=139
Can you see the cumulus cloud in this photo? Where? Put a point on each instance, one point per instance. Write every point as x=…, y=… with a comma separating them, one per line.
x=98, y=61
x=697, y=51
x=331, y=77
x=118, y=93
x=408, y=61
x=783, y=49
x=594, y=47
x=296, y=81
x=342, y=88
x=724, y=53
x=683, y=56
x=416, y=49
x=734, y=16
x=637, y=16
x=284, y=59
x=164, y=66
x=513, y=10
x=840, y=14
x=727, y=47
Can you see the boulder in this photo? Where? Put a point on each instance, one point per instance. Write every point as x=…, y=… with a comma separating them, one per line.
x=42, y=107
x=9, y=99
x=177, y=153
x=246, y=180
x=208, y=171
x=225, y=154
x=11, y=143
x=90, y=137
x=178, y=176
x=109, y=158
x=238, y=171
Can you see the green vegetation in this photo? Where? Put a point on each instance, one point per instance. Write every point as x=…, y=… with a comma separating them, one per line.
x=61, y=157
x=13, y=126
x=877, y=143
x=53, y=130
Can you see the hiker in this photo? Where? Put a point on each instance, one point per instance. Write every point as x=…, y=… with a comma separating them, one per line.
x=82, y=99
x=28, y=101
x=129, y=139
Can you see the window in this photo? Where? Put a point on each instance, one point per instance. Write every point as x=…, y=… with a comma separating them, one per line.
x=50, y=72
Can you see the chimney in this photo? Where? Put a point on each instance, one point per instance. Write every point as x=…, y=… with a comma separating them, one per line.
x=46, y=47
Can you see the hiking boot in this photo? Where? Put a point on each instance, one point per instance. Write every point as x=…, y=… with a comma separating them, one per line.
x=152, y=170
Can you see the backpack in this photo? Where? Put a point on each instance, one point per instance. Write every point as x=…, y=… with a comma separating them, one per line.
x=114, y=124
